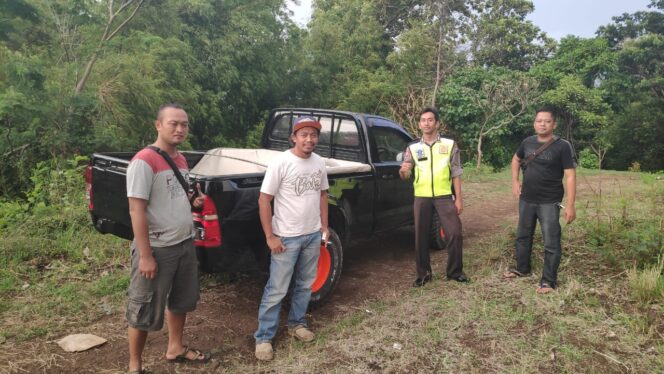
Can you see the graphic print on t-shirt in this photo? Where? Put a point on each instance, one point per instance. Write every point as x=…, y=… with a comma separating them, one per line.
x=306, y=182
x=174, y=187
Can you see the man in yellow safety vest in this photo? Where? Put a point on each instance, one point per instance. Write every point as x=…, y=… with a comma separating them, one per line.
x=437, y=185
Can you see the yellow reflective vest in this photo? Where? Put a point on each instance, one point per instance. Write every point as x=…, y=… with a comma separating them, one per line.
x=432, y=167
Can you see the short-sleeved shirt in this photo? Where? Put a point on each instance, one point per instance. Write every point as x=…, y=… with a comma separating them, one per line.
x=543, y=177
x=296, y=184
x=149, y=177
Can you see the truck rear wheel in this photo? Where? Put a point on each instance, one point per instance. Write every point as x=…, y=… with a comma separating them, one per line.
x=437, y=235
x=330, y=263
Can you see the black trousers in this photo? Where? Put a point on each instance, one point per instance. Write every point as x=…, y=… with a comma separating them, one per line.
x=449, y=220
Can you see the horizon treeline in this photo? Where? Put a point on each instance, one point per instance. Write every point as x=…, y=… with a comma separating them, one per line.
x=83, y=76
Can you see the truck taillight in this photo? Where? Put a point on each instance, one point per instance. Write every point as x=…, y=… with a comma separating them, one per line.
x=206, y=224
x=88, y=186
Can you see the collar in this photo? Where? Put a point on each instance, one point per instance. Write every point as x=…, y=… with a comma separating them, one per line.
x=424, y=143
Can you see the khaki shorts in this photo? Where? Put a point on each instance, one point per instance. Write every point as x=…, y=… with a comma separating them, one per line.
x=175, y=286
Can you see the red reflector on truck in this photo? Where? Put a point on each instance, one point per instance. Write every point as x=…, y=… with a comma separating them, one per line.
x=206, y=224
x=87, y=173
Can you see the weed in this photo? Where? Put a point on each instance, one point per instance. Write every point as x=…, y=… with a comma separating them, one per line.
x=648, y=284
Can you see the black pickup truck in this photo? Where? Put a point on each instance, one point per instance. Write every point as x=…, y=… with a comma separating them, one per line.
x=366, y=195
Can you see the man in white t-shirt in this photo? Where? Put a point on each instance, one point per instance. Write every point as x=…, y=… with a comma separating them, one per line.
x=297, y=181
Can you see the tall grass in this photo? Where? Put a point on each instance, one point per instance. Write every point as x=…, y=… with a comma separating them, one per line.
x=56, y=271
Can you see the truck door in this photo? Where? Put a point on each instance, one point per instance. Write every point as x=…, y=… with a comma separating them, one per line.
x=394, y=200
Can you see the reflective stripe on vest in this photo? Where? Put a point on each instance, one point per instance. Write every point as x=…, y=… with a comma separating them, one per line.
x=432, y=168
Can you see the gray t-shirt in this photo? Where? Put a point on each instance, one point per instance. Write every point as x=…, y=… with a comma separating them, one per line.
x=296, y=184
x=149, y=177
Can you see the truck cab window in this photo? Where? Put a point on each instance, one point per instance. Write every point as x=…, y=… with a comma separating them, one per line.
x=346, y=134
x=388, y=143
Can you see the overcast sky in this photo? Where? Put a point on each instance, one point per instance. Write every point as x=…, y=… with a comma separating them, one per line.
x=557, y=18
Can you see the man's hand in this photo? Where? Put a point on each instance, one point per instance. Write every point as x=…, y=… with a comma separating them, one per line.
x=147, y=266
x=570, y=214
x=404, y=171
x=275, y=244
x=325, y=232
x=200, y=198
x=516, y=189
x=458, y=204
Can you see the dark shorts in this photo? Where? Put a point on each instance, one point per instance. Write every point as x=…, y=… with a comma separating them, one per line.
x=175, y=286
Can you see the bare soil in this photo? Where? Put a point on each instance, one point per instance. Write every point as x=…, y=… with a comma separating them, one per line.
x=380, y=267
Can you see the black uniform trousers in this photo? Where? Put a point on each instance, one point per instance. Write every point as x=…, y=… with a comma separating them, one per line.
x=451, y=224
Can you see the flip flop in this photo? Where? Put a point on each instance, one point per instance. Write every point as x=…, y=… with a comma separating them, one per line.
x=544, y=288
x=199, y=358
x=513, y=273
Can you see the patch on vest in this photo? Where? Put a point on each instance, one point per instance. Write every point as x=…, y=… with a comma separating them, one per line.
x=443, y=149
x=420, y=154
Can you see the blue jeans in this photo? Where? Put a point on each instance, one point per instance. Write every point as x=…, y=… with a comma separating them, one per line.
x=301, y=258
x=548, y=215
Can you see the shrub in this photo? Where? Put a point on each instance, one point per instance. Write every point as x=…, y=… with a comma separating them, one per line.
x=587, y=159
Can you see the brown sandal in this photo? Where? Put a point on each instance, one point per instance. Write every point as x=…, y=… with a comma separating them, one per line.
x=199, y=358
x=513, y=273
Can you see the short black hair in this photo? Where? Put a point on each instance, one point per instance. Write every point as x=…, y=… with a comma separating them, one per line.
x=547, y=109
x=431, y=109
x=168, y=105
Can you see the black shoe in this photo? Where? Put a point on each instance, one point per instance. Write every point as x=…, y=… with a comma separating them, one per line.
x=419, y=282
x=461, y=278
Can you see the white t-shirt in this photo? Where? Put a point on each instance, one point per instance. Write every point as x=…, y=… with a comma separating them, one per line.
x=149, y=177
x=296, y=184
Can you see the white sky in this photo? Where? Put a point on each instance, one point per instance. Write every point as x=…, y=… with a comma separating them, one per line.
x=557, y=18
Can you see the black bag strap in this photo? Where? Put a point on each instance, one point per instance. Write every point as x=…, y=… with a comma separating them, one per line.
x=538, y=151
x=176, y=171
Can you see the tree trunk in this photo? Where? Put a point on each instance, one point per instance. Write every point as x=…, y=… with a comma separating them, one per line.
x=479, y=152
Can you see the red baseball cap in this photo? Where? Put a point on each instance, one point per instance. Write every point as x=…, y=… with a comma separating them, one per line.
x=306, y=121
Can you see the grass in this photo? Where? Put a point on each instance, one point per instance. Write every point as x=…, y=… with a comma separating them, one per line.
x=56, y=273
x=607, y=315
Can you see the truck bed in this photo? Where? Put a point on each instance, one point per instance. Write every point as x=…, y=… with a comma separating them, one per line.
x=232, y=162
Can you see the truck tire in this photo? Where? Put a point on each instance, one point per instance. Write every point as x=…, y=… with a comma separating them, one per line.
x=330, y=263
x=437, y=235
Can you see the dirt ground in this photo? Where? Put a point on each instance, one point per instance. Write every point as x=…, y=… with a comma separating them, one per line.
x=382, y=266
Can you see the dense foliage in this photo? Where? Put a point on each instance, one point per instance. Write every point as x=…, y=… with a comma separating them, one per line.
x=78, y=76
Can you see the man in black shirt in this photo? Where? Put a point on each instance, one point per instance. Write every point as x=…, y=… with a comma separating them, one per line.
x=541, y=194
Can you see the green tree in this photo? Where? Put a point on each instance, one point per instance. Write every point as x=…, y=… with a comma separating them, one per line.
x=503, y=36
x=486, y=106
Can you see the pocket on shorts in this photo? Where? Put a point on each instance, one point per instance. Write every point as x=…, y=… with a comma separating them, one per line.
x=139, y=308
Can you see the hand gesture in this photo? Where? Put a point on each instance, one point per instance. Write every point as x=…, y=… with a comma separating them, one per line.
x=404, y=172
x=200, y=197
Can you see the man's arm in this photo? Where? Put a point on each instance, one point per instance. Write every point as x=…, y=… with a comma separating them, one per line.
x=406, y=165
x=323, y=214
x=147, y=266
x=570, y=187
x=516, y=167
x=458, y=199
x=265, y=213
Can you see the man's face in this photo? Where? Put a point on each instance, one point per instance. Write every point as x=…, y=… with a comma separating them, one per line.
x=305, y=140
x=544, y=124
x=172, y=126
x=428, y=123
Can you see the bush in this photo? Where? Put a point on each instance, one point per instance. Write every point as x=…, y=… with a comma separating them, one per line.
x=587, y=159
